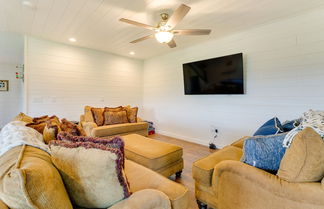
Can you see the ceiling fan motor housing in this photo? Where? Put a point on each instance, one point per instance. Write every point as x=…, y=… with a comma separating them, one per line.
x=164, y=31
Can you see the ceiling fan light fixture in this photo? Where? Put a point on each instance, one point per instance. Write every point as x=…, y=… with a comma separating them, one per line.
x=164, y=36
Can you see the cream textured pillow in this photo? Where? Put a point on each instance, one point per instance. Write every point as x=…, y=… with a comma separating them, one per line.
x=29, y=180
x=304, y=159
x=92, y=172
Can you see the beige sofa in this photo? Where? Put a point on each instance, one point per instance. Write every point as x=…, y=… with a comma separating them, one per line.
x=91, y=128
x=223, y=182
x=141, y=178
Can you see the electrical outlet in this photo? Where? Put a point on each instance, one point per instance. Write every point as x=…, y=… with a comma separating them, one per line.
x=213, y=129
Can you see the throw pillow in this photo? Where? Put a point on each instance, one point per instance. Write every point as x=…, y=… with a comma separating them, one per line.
x=290, y=125
x=272, y=126
x=131, y=113
x=93, y=173
x=115, y=117
x=114, y=109
x=51, y=130
x=23, y=117
x=114, y=142
x=72, y=128
x=264, y=152
x=38, y=126
x=98, y=115
x=29, y=180
x=40, y=119
x=304, y=159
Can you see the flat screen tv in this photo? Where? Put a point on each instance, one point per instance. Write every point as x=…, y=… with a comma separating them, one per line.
x=221, y=75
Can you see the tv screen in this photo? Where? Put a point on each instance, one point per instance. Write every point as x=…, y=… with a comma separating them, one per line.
x=221, y=75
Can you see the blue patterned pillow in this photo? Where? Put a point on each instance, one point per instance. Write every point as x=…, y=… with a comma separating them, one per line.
x=272, y=126
x=264, y=152
x=290, y=125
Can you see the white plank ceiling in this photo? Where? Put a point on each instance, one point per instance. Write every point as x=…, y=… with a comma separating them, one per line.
x=95, y=25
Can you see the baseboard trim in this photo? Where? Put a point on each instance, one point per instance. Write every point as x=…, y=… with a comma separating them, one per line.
x=189, y=139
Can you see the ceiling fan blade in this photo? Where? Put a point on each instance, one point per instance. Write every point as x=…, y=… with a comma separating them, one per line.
x=178, y=15
x=138, y=24
x=172, y=44
x=192, y=32
x=142, y=39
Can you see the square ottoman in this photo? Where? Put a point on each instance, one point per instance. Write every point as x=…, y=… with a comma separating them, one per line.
x=161, y=157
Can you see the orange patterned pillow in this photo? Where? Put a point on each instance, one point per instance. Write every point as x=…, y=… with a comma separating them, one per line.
x=98, y=115
x=131, y=113
x=40, y=119
x=38, y=126
x=71, y=128
x=114, y=109
x=115, y=117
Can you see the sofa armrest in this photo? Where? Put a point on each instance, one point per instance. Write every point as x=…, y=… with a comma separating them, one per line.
x=202, y=170
x=141, y=178
x=240, y=179
x=239, y=143
x=88, y=127
x=2, y=205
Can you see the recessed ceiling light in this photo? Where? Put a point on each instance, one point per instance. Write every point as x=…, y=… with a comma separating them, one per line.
x=131, y=53
x=72, y=39
x=27, y=3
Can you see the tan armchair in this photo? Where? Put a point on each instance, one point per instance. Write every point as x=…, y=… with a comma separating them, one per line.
x=91, y=128
x=223, y=182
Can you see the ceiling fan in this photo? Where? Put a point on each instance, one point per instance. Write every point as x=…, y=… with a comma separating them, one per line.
x=164, y=31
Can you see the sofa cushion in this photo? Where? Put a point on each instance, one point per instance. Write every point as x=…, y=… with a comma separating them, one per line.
x=264, y=152
x=151, y=153
x=145, y=199
x=272, y=126
x=304, y=159
x=115, y=117
x=93, y=173
x=143, y=178
x=118, y=129
x=202, y=169
x=29, y=180
x=98, y=115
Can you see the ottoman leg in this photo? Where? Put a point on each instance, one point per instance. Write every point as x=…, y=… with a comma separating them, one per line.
x=178, y=174
x=201, y=205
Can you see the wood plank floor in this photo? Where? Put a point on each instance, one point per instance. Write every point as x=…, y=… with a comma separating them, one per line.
x=191, y=153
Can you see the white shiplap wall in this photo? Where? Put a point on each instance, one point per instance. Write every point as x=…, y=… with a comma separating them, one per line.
x=284, y=76
x=62, y=79
x=10, y=101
